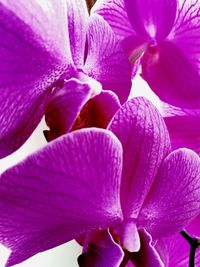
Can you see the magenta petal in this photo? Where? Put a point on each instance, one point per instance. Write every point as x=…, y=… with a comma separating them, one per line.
x=106, y=61
x=145, y=141
x=28, y=67
x=67, y=188
x=98, y=111
x=171, y=76
x=184, y=130
x=42, y=22
x=77, y=26
x=102, y=252
x=147, y=256
x=64, y=106
x=175, y=196
x=114, y=12
x=152, y=17
x=186, y=33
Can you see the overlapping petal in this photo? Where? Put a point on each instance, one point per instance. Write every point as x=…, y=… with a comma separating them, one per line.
x=174, y=199
x=98, y=111
x=102, y=251
x=47, y=200
x=147, y=256
x=114, y=12
x=77, y=27
x=144, y=137
x=185, y=33
x=30, y=61
x=153, y=18
x=171, y=76
x=184, y=130
x=64, y=106
x=106, y=61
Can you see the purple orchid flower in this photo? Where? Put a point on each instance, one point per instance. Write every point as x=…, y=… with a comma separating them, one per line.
x=119, y=190
x=163, y=37
x=47, y=48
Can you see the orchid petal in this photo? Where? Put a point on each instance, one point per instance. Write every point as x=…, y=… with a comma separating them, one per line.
x=153, y=18
x=145, y=142
x=134, y=48
x=185, y=33
x=47, y=19
x=29, y=65
x=175, y=196
x=114, y=12
x=67, y=188
x=98, y=111
x=171, y=76
x=64, y=106
x=184, y=130
x=147, y=256
x=102, y=251
x=106, y=61
x=77, y=26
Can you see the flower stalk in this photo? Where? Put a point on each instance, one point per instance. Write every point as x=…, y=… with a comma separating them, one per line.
x=194, y=244
x=90, y=4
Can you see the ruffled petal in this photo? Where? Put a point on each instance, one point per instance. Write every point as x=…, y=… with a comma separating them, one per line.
x=98, y=111
x=77, y=25
x=145, y=141
x=64, y=106
x=147, y=256
x=30, y=62
x=114, y=12
x=67, y=188
x=153, y=18
x=106, y=61
x=175, y=196
x=185, y=33
x=102, y=251
x=171, y=76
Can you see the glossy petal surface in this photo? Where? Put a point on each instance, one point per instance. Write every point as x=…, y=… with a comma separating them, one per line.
x=30, y=61
x=77, y=26
x=106, y=61
x=102, y=252
x=144, y=137
x=153, y=18
x=46, y=200
x=175, y=196
x=64, y=106
x=171, y=76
